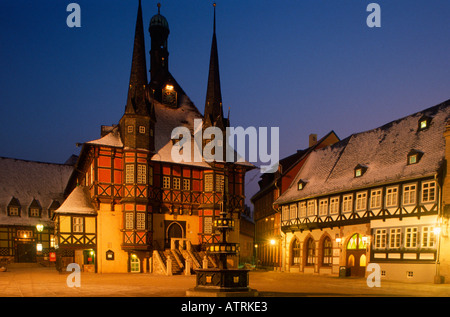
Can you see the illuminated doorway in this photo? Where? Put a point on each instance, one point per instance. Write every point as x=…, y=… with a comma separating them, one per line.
x=356, y=255
x=135, y=264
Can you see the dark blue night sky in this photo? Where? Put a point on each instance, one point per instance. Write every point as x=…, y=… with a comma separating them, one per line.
x=307, y=66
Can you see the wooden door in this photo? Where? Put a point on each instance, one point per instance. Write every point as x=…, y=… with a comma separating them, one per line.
x=356, y=255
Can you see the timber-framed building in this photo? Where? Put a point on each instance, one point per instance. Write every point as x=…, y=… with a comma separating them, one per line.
x=379, y=196
x=131, y=207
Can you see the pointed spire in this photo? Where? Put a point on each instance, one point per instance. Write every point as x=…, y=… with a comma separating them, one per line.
x=138, y=77
x=213, y=104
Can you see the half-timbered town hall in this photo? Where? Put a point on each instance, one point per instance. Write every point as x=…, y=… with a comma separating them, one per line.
x=130, y=206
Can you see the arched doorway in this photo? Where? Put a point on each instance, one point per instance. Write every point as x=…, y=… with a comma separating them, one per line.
x=135, y=264
x=356, y=255
x=174, y=229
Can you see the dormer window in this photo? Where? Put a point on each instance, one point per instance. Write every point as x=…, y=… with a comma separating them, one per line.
x=34, y=209
x=424, y=123
x=301, y=184
x=14, y=207
x=360, y=170
x=414, y=157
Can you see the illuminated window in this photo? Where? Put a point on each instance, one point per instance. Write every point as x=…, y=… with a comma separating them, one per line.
x=311, y=208
x=359, y=170
x=24, y=234
x=186, y=184
x=135, y=264
x=411, y=237
x=129, y=173
x=140, y=221
x=13, y=211
x=129, y=225
x=207, y=225
x=361, y=201
x=176, y=183
x=414, y=157
x=380, y=238
x=77, y=224
x=34, y=212
x=327, y=248
x=391, y=196
x=166, y=182
x=310, y=247
x=395, y=238
x=293, y=211
x=208, y=182
x=424, y=123
x=302, y=207
x=347, y=203
x=428, y=237
x=219, y=183
x=295, y=252
x=142, y=174
x=428, y=191
x=301, y=184
x=334, y=205
x=375, y=198
x=323, y=207
x=409, y=194
x=285, y=213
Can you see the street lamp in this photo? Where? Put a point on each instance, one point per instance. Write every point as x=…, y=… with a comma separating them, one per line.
x=40, y=227
x=438, y=279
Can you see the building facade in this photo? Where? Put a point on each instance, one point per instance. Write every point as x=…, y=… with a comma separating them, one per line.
x=375, y=197
x=30, y=192
x=136, y=200
x=272, y=185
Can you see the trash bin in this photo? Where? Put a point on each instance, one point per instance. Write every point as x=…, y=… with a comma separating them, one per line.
x=344, y=271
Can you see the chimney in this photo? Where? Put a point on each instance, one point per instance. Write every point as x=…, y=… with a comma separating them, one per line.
x=312, y=139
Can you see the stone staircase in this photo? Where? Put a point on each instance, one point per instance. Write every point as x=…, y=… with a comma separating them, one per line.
x=177, y=260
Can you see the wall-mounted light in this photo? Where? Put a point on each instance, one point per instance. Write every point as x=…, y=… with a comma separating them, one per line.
x=272, y=241
x=39, y=247
x=39, y=227
x=437, y=231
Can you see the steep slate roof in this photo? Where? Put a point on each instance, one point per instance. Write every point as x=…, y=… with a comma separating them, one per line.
x=28, y=180
x=383, y=151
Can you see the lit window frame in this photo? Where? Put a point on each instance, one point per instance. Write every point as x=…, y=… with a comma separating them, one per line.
x=391, y=196
x=428, y=192
x=409, y=195
x=347, y=203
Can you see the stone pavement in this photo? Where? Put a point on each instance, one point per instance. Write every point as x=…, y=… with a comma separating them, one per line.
x=35, y=281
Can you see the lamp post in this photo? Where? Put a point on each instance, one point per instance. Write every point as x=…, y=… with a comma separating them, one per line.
x=438, y=279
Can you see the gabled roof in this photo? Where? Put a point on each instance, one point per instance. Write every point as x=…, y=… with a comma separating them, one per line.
x=383, y=151
x=28, y=181
x=78, y=202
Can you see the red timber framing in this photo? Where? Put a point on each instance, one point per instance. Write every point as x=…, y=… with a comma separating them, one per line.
x=215, y=181
x=137, y=210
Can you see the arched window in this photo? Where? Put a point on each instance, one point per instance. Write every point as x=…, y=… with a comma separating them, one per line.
x=327, y=255
x=310, y=248
x=295, y=252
